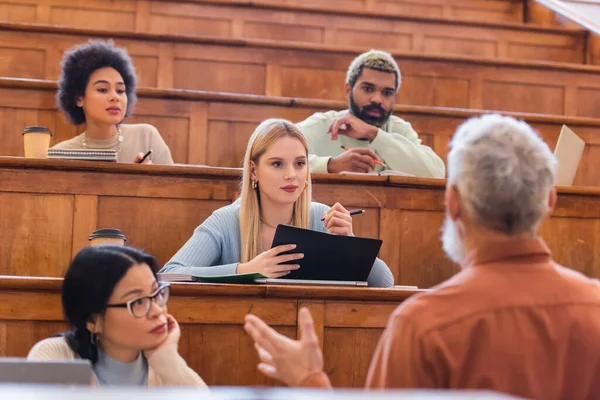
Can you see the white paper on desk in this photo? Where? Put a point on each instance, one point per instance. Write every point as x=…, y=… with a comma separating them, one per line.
x=568, y=151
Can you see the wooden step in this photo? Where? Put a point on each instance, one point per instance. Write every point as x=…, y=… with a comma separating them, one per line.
x=194, y=122
x=123, y=15
x=262, y=67
x=376, y=29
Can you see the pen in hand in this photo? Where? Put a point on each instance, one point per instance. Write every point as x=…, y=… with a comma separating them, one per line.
x=352, y=212
x=145, y=156
x=376, y=161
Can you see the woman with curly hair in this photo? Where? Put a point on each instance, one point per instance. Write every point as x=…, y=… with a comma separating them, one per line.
x=97, y=87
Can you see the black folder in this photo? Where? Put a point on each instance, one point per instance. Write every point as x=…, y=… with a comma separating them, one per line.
x=328, y=257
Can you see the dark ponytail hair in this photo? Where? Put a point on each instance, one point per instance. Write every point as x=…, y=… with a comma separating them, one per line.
x=89, y=283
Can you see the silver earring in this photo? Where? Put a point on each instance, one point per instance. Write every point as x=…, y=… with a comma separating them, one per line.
x=94, y=338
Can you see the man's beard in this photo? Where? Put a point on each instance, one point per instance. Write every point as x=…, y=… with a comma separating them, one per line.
x=361, y=113
x=452, y=243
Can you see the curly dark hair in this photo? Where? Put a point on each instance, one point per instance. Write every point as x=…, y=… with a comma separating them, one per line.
x=80, y=62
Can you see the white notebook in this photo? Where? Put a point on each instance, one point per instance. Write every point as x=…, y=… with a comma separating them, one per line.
x=89, y=155
x=568, y=152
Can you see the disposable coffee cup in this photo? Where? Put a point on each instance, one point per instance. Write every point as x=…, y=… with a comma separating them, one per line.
x=107, y=236
x=36, y=141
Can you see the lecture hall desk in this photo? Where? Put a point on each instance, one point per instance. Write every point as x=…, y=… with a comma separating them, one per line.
x=349, y=322
x=49, y=207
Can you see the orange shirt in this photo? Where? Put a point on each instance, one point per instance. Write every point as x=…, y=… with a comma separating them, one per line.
x=512, y=321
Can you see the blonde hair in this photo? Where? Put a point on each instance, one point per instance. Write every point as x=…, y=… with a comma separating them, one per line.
x=373, y=59
x=250, y=217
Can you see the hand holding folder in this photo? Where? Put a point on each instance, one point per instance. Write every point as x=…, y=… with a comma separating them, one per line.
x=273, y=263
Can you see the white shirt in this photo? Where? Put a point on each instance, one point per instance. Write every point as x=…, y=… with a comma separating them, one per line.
x=396, y=144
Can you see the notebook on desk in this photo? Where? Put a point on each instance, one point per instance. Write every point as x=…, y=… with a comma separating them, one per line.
x=84, y=155
x=328, y=259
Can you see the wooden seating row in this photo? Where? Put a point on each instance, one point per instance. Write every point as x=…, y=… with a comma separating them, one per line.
x=349, y=323
x=265, y=67
x=194, y=122
x=48, y=208
x=309, y=24
x=107, y=15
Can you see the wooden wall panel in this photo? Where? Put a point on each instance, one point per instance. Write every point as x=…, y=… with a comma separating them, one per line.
x=574, y=241
x=17, y=337
x=351, y=351
x=224, y=76
x=488, y=10
x=420, y=261
x=548, y=97
x=369, y=30
x=163, y=225
x=224, y=355
x=12, y=11
x=114, y=18
x=227, y=142
x=35, y=232
x=384, y=23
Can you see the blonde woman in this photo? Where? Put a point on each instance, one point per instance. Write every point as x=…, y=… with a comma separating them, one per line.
x=276, y=190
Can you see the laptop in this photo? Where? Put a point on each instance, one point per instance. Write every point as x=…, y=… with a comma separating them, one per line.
x=568, y=152
x=328, y=259
x=63, y=372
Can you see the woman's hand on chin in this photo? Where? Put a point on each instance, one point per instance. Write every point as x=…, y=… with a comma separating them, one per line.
x=173, y=336
x=338, y=221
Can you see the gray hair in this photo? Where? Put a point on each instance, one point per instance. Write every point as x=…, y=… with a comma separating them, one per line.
x=503, y=171
x=373, y=59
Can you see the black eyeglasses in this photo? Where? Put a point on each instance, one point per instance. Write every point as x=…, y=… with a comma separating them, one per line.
x=140, y=307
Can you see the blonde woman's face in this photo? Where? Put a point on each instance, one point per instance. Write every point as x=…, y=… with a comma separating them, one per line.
x=282, y=171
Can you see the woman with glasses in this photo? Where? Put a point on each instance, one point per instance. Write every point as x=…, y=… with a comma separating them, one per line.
x=118, y=311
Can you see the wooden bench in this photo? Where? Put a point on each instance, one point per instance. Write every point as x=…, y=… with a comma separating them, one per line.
x=125, y=14
x=312, y=24
x=48, y=208
x=264, y=67
x=194, y=122
x=348, y=321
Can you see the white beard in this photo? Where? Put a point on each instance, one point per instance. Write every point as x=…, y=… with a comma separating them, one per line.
x=452, y=243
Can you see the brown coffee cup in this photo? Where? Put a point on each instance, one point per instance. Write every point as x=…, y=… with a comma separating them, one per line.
x=107, y=236
x=36, y=141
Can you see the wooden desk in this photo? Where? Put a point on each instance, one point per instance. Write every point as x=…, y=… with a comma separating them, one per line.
x=349, y=322
x=212, y=128
x=48, y=209
x=315, y=71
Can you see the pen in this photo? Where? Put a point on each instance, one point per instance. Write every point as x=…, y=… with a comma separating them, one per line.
x=352, y=212
x=374, y=160
x=145, y=156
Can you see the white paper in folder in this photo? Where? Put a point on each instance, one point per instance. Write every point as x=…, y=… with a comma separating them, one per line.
x=568, y=151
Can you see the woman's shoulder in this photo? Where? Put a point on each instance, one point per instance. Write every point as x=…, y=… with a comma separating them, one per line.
x=55, y=348
x=318, y=207
x=225, y=216
x=139, y=129
x=70, y=144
